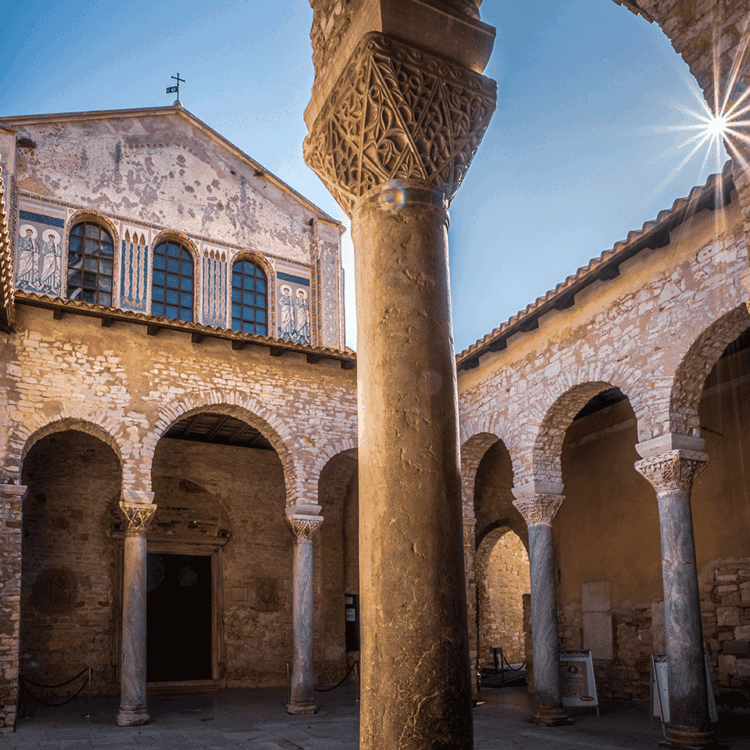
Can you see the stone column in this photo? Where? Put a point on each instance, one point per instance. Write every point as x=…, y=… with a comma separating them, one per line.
x=671, y=463
x=392, y=143
x=302, y=700
x=538, y=503
x=138, y=509
x=11, y=513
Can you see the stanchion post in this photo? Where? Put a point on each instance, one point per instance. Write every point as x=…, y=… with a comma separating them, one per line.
x=88, y=714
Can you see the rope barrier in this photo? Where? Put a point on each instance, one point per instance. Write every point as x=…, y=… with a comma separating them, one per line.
x=328, y=690
x=511, y=668
x=25, y=682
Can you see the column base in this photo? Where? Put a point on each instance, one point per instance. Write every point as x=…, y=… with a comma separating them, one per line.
x=550, y=717
x=132, y=716
x=301, y=708
x=685, y=739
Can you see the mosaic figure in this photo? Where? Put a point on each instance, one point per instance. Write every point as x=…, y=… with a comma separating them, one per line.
x=28, y=257
x=286, y=314
x=50, y=263
x=301, y=318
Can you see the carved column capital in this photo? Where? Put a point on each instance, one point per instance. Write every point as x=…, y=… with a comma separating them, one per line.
x=304, y=527
x=398, y=114
x=138, y=516
x=672, y=470
x=538, y=510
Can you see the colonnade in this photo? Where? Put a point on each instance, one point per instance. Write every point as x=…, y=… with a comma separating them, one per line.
x=670, y=463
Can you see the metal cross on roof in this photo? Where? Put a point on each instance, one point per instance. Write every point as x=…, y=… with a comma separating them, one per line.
x=176, y=89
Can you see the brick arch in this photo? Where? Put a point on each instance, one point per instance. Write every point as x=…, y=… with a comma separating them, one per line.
x=548, y=440
x=709, y=36
x=473, y=451
x=328, y=451
x=245, y=408
x=334, y=476
x=24, y=436
x=695, y=366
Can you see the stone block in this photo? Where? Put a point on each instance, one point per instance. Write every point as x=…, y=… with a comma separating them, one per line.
x=595, y=597
x=727, y=616
x=736, y=648
x=742, y=668
x=742, y=633
x=597, y=634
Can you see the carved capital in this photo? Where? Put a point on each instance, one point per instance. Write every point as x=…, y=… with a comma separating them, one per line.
x=673, y=470
x=397, y=114
x=138, y=516
x=538, y=510
x=304, y=527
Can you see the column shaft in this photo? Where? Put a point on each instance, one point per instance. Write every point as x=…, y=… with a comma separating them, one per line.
x=688, y=695
x=416, y=690
x=302, y=693
x=133, y=710
x=546, y=643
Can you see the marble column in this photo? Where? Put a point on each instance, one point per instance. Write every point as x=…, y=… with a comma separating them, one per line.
x=11, y=514
x=538, y=503
x=302, y=699
x=392, y=142
x=671, y=463
x=138, y=509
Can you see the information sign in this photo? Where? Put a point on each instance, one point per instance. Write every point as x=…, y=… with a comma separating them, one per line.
x=577, y=679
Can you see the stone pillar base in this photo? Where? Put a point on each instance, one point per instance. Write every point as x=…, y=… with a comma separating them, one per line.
x=301, y=708
x=135, y=716
x=550, y=717
x=682, y=739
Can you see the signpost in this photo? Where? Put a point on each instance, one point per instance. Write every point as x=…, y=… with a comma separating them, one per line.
x=577, y=680
x=660, y=692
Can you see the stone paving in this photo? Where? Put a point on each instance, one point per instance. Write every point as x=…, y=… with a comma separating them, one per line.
x=257, y=720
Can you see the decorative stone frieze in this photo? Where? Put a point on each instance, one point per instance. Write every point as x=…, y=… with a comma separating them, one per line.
x=398, y=113
x=6, y=266
x=304, y=527
x=538, y=502
x=138, y=515
x=673, y=470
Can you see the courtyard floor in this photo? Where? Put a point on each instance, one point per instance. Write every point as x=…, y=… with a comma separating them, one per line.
x=257, y=720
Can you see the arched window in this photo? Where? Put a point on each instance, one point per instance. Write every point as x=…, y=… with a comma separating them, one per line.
x=90, y=259
x=249, y=298
x=172, y=282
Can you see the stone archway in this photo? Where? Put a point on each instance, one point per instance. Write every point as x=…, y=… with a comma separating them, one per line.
x=502, y=581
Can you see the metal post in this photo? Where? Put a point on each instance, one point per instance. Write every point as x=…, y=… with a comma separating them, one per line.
x=88, y=715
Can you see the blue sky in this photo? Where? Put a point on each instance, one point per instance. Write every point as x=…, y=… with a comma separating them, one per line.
x=577, y=155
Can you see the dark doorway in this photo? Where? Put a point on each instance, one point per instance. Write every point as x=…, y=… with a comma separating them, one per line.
x=179, y=618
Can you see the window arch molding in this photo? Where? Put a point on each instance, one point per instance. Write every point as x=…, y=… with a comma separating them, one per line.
x=187, y=244
x=104, y=223
x=268, y=270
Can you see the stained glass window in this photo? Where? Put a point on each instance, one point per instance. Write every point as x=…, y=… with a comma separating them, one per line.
x=172, y=282
x=91, y=253
x=249, y=298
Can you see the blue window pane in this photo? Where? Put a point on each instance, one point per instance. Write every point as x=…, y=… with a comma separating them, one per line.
x=107, y=249
x=157, y=295
x=260, y=316
x=92, y=230
x=236, y=324
x=236, y=295
x=75, y=244
x=248, y=327
x=74, y=279
x=248, y=282
x=248, y=298
x=172, y=280
x=173, y=297
x=105, y=267
x=186, y=315
x=159, y=278
x=248, y=313
x=237, y=311
x=260, y=329
x=186, y=284
x=186, y=299
x=171, y=311
x=173, y=266
x=260, y=285
x=187, y=268
x=105, y=284
x=173, y=251
x=77, y=230
x=160, y=262
x=105, y=299
x=157, y=308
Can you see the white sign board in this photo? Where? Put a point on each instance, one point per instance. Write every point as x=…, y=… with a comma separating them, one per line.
x=577, y=679
x=660, y=690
